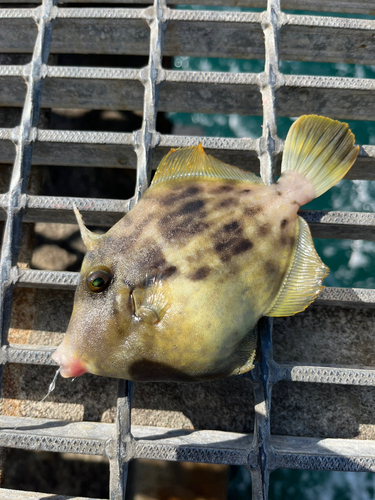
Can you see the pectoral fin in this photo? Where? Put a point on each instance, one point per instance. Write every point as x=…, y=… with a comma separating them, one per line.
x=150, y=303
x=303, y=281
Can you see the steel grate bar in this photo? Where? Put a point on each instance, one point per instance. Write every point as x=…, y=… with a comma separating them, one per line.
x=324, y=375
x=231, y=93
x=119, y=449
x=194, y=33
x=182, y=445
x=24, y=138
x=268, y=149
x=33, y=355
x=68, y=148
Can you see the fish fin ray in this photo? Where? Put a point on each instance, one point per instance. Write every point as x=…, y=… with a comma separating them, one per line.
x=150, y=304
x=89, y=238
x=321, y=149
x=193, y=162
x=304, y=279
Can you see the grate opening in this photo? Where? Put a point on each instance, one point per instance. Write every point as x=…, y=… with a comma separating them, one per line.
x=187, y=480
x=344, y=70
x=225, y=65
x=345, y=485
x=322, y=411
x=41, y=477
x=352, y=341
x=99, y=60
x=215, y=125
x=57, y=247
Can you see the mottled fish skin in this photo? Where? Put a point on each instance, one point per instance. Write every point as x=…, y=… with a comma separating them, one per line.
x=206, y=240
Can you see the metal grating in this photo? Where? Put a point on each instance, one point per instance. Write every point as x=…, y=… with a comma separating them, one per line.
x=151, y=89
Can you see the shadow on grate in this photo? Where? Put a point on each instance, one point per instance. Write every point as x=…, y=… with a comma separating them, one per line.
x=90, y=473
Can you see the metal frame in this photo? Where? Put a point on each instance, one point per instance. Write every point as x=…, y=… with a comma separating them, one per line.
x=155, y=89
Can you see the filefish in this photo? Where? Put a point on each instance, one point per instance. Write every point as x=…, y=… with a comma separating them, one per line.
x=174, y=290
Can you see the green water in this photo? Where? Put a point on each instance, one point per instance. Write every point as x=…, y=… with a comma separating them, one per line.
x=288, y=484
x=352, y=262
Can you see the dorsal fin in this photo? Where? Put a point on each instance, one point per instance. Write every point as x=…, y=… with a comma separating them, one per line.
x=304, y=279
x=193, y=162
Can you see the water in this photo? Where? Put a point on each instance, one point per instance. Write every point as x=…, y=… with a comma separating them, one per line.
x=286, y=484
x=351, y=262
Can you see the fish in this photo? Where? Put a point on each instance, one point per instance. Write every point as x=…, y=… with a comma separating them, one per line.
x=174, y=290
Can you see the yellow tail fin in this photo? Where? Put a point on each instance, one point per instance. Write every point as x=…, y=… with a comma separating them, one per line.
x=321, y=149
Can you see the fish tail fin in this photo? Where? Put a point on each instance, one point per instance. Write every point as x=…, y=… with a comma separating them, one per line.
x=321, y=149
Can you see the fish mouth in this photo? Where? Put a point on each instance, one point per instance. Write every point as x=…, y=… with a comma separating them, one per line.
x=70, y=365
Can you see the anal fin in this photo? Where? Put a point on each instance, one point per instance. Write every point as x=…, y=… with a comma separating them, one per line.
x=303, y=281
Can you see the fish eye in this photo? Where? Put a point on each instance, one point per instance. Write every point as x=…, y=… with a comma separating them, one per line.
x=98, y=280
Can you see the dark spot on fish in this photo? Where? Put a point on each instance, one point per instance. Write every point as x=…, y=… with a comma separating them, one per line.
x=230, y=241
x=228, y=202
x=181, y=228
x=232, y=226
x=174, y=197
x=115, y=244
x=146, y=370
x=246, y=191
x=284, y=222
x=224, y=245
x=251, y=211
x=151, y=256
x=169, y=271
x=201, y=273
x=242, y=246
x=264, y=229
x=294, y=202
x=225, y=188
x=287, y=240
x=191, y=191
x=279, y=193
x=271, y=267
x=183, y=223
x=192, y=206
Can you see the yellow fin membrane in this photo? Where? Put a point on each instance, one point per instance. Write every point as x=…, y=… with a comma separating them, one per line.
x=303, y=281
x=193, y=162
x=321, y=149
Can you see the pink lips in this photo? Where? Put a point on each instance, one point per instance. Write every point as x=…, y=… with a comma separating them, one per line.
x=70, y=366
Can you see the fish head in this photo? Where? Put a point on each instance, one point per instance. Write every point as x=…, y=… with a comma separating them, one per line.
x=118, y=306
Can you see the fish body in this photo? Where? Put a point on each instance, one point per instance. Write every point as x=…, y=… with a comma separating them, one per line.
x=174, y=290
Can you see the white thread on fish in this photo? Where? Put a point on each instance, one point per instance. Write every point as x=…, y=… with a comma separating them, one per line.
x=52, y=386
